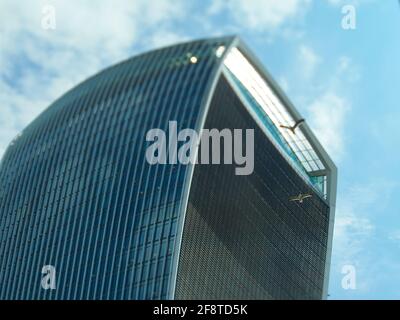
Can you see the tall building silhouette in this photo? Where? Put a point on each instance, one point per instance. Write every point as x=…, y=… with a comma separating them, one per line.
x=77, y=193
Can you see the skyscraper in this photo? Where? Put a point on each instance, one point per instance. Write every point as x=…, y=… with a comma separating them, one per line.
x=77, y=194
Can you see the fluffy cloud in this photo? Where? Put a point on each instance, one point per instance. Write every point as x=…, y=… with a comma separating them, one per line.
x=331, y=107
x=308, y=60
x=353, y=231
x=37, y=65
x=327, y=117
x=325, y=97
x=358, y=233
x=260, y=15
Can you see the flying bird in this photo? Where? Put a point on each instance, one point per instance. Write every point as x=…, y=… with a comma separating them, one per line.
x=301, y=197
x=293, y=128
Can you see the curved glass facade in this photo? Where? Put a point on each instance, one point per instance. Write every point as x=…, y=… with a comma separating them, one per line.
x=77, y=193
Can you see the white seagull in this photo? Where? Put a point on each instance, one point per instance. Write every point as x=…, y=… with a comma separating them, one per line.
x=301, y=197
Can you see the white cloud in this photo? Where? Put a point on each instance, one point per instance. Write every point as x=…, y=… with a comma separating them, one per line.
x=353, y=230
x=38, y=65
x=325, y=95
x=216, y=7
x=308, y=61
x=261, y=15
x=358, y=231
x=327, y=118
x=165, y=38
x=351, y=237
x=353, y=225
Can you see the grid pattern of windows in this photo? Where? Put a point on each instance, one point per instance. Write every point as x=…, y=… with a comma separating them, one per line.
x=77, y=193
x=243, y=238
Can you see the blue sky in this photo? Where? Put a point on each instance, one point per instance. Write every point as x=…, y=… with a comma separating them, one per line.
x=346, y=83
